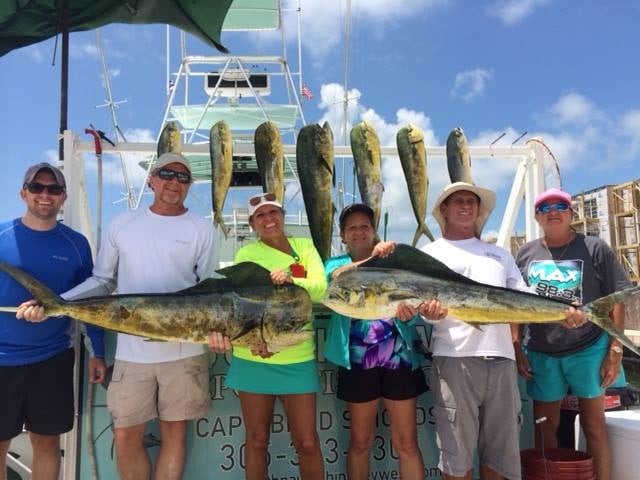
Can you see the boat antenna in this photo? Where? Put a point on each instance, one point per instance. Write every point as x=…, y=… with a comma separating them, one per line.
x=129, y=197
x=519, y=138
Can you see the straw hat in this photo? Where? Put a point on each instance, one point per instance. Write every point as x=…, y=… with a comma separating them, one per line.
x=487, y=202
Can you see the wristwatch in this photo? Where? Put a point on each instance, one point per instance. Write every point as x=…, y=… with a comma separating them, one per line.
x=616, y=348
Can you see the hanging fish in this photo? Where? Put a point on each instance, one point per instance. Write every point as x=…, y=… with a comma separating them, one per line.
x=314, y=160
x=458, y=158
x=413, y=157
x=365, y=147
x=270, y=159
x=221, y=155
x=170, y=140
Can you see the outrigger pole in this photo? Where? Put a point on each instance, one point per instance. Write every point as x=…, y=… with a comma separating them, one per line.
x=64, y=75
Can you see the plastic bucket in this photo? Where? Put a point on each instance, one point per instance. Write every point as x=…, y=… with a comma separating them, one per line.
x=556, y=464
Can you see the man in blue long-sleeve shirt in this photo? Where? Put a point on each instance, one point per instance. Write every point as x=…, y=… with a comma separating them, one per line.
x=36, y=359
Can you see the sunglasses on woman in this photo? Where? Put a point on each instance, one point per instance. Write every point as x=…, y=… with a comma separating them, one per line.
x=167, y=174
x=52, y=189
x=264, y=197
x=547, y=207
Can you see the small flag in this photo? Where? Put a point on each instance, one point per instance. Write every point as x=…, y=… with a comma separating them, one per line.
x=306, y=92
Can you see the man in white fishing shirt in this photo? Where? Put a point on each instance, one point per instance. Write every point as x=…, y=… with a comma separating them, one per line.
x=163, y=248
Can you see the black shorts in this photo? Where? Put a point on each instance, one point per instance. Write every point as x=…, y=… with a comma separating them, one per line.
x=38, y=395
x=360, y=385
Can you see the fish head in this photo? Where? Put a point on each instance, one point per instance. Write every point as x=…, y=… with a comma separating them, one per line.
x=361, y=293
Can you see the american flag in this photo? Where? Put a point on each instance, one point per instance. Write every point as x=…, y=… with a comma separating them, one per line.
x=306, y=92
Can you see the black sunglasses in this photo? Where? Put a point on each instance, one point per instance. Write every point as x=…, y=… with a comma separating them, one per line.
x=558, y=207
x=168, y=174
x=265, y=197
x=52, y=189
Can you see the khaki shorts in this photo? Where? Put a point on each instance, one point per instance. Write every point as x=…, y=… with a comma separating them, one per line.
x=171, y=391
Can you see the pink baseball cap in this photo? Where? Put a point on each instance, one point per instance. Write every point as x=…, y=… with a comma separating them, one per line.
x=552, y=194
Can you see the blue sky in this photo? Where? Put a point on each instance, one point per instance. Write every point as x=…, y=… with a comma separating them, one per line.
x=553, y=68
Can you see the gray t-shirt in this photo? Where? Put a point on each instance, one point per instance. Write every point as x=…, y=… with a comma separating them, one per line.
x=587, y=269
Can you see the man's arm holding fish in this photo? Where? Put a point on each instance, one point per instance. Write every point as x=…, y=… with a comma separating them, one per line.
x=101, y=282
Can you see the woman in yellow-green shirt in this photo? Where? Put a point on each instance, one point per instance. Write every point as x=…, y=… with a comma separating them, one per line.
x=291, y=374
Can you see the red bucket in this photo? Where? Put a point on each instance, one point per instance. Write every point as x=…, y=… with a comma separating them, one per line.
x=556, y=464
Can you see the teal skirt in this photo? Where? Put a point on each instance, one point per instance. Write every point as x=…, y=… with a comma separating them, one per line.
x=257, y=377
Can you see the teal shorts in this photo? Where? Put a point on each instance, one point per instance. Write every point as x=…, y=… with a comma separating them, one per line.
x=552, y=376
x=257, y=377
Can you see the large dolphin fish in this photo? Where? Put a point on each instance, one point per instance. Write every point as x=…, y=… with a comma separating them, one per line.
x=244, y=305
x=365, y=147
x=221, y=157
x=458, y=157
x=270, y=159
x=170, y=140
x=376, y=287
x=314, y=160
x=413, y=158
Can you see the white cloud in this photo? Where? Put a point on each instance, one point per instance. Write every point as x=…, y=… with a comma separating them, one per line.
x=35, y=53
x=322, y=21
x=630, y=126
x=574, y=108
x=84, y=50
x=471, y=84
x=512, y=12
x=631, y=123
x=52, y=156
x=115, y=72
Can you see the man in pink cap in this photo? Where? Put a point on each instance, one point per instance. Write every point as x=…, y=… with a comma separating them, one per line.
x=574, y=354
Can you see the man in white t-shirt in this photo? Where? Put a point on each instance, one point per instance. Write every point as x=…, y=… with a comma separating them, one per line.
x=473, y=375
x=163, y=248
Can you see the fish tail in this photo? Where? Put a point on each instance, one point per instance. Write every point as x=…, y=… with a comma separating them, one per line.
x=422, y=230
x=43, y=294
x=218, y=220
x=598, y=313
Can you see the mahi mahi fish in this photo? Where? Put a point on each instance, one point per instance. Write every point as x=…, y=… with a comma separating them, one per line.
x=365, y=147
x=169, y=140
x=413, y=157
x=314, y=161
x=270, y=159
x=458, y=158
x=221, y=156
x=376, y=287
x=244, y=305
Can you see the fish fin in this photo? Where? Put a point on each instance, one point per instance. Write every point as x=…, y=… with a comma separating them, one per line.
x=247, y=316
x=43, y=294
x=405, y=257
x=422, y=229
x=245, y=274
x=598, y=313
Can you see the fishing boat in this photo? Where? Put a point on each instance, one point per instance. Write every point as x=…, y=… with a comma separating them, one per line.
x=244, y=91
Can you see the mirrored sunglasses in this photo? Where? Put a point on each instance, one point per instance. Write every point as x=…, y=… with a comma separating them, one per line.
x=265, y=197
x=167, y=174
x=558, y=207
x=52, y=189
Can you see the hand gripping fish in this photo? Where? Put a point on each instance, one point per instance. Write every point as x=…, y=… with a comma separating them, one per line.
x=243, y=305
x=376, y=287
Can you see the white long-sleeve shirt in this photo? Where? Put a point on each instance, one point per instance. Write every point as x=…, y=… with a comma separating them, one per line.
x=148, y=253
